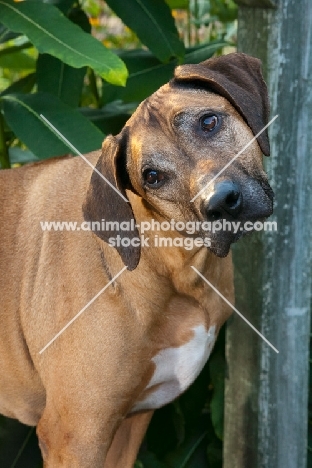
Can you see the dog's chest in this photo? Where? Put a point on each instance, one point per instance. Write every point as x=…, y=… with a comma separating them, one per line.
x=176, y=368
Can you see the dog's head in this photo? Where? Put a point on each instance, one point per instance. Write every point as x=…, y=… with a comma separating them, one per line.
x=178, y=152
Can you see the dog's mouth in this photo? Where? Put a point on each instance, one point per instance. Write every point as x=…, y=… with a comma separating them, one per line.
x=232, y=221
x=222, y=240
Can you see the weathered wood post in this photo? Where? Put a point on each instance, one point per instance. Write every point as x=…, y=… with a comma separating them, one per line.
x=266, y=393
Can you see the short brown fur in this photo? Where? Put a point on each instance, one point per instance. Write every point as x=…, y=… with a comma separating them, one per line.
x=81, y=390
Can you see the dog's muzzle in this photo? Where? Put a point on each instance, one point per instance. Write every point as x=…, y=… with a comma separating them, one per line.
x=233, y=202
x=226, y=201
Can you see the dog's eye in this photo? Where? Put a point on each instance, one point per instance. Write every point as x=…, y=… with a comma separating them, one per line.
x=209, y=122
x=153, y=178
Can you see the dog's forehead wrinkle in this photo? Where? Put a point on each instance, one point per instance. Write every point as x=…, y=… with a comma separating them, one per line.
x=171, y=193
x=192, y=109
x=168, y=99
x=154, y=106
x=192, y=88
x=164, y=158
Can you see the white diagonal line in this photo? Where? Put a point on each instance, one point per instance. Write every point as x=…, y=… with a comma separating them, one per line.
x=233, y=159
x=82, y=156
x=82, y=310
x=234, y=308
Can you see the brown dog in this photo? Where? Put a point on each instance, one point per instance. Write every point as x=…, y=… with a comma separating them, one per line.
x=144, y=339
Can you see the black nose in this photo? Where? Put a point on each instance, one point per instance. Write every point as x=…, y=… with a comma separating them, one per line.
x=226, y=200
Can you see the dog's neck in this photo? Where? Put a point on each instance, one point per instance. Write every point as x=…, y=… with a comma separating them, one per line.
x=164, y=278
x=171, y=261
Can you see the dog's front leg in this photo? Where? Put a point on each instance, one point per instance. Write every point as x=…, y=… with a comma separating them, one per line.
x=127, y=440
x=74, y=439
x=87, y=401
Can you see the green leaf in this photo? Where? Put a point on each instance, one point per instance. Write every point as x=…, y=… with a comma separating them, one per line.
x=22, y=113
x=204, y=51
x=111, y=118
x=180, y=457
x=23, y=85
x=51, y=32
x=214, y=454
x=225, y=10
x=149, y=460
x=147, y=74
x=6, y=34
x=17, y=61
x=63, y=5
x=161, y=436
x=154, y=25
x=19, y=156
x=217, y=371
x=55, y=77
x=4, y=156
x=178, y=4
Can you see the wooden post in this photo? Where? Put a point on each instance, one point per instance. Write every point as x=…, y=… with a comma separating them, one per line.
x=266, y=397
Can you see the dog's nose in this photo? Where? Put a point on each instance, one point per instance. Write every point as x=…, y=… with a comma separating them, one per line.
x=226, y=200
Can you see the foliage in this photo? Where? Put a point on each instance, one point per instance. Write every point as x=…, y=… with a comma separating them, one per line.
x=52, y=64
x=88, y=86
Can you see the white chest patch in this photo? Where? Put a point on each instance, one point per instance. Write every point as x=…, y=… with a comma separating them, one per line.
x=177, y=368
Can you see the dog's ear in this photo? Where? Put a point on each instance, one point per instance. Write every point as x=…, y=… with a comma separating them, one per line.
x=238, y=78
x=105, y=205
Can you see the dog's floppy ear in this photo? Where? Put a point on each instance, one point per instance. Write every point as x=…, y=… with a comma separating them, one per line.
x=104, y=203
x=238, y=78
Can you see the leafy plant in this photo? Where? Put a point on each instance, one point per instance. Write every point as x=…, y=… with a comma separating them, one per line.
x=60, y=63
x=65, y=50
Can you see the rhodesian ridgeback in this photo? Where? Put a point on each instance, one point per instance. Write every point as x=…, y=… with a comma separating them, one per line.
x=143, y=340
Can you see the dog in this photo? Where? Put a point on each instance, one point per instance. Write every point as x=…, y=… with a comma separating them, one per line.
x=143, y=340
